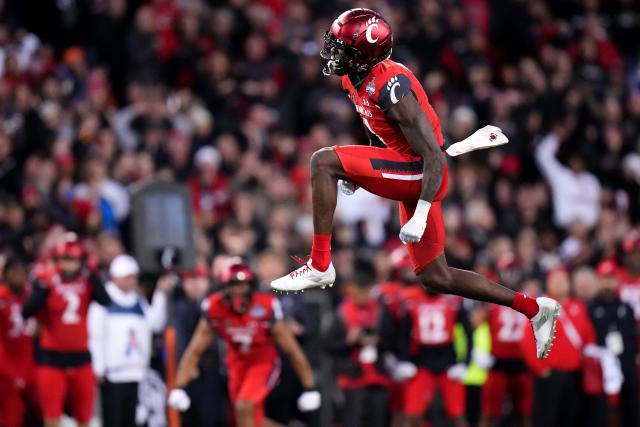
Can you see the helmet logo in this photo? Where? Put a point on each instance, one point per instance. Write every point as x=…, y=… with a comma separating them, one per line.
x=371, y=23
x=392, y=84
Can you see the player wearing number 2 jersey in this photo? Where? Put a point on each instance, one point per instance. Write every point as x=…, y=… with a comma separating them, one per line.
x=407, y=164
x=60, y=301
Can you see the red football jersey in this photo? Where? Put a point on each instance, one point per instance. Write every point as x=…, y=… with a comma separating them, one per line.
x=63, y=320
x=384, y=86
x=248, y=335
x=507, y=330
x=16, y=335
x=432, y=317
x=629, y=291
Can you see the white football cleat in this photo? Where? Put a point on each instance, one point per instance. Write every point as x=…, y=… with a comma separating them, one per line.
x=305, y=277
x=544, y=325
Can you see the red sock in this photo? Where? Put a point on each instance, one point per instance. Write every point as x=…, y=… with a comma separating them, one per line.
x=525, y=305
x=321, y=251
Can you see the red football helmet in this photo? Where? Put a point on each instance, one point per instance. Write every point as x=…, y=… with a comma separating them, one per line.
x=357, y=40
x=237, y=273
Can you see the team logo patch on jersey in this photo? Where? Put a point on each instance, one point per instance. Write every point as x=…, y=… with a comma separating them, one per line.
x=371, y=87
x=257, y=312
x=393, y=91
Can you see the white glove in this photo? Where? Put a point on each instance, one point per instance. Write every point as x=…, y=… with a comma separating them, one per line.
x=179, y=400
x=482, y=359
x=612, y=377
x=403, y=371
x=487, y=137
x=457, y=371
x=309, y=401
x=347, y=187
x=413, y=230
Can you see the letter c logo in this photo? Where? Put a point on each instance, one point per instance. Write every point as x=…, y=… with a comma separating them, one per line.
x=392, y=93
x=368, y=34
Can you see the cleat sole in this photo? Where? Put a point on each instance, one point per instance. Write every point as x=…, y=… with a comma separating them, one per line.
x=554, y=321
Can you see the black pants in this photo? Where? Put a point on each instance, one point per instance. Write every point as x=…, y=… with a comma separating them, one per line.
x=558, y=400
x=119, y=401
x=366, y=407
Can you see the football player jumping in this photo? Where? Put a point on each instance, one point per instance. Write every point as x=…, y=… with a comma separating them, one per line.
x=407, y=165
x=251, y=325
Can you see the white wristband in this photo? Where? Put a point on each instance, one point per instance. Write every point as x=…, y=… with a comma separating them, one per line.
x=422, y=210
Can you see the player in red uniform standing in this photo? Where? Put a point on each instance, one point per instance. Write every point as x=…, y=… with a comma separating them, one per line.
x=251, y=325
x=411, y=168
x=508, y=372
x=60, y=301
x=16, y=346
x=430, y=323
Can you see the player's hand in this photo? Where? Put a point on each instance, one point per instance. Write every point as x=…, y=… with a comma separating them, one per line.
x=482, y=359
x=413, y=230
x=457, y=372
x=347, y=187
x=404, y=371
x=309, y=401
x=179, y=400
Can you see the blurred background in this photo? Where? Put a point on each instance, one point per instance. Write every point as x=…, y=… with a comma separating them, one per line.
x=180, y=131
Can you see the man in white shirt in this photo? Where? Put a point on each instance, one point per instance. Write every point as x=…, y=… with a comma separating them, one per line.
x=575, y=191
x=120, y=336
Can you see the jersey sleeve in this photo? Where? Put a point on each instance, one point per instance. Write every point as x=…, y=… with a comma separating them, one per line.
x=392, y=90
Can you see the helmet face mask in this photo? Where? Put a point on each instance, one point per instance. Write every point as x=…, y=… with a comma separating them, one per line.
x=238, y=296
x=335, y=56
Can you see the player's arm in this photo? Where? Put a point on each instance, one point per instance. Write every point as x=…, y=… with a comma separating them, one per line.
x=408, y=114
x=284, y=338
x=37, y=299
x=98, y=291
x=188, y=366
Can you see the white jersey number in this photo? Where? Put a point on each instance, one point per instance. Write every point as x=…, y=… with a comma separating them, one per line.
x=433, y=324
x=71, y=315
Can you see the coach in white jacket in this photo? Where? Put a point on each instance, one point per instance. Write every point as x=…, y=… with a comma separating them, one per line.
x=120, y=336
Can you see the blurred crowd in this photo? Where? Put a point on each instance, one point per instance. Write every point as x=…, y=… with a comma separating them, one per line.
x=228, y=98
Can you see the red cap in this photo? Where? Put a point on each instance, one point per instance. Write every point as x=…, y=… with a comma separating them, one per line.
x=607, y=268
x=69, y=247
x=198, y=271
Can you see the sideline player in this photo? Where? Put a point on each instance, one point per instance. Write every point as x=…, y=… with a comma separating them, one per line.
x=411, y=168
x=251, y=324
x=60, y=298
x=508, y=374
x=429, y=331
x=16, y=346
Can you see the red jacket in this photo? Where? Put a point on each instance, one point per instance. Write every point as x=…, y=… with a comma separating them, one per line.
x=574, y=332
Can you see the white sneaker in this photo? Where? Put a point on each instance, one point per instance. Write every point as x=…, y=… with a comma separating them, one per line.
x=305, y=277
x=544, y=325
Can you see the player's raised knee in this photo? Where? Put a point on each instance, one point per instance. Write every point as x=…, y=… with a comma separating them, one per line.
x=243, y=409
x=323, y=160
